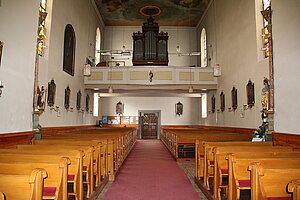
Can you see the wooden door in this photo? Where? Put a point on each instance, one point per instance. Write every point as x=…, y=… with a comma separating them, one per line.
x=149, y=126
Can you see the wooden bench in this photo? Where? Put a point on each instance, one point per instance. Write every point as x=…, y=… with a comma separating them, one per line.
x=116, y=151
x=21, y=187
x=204, y=147
x=2, y=197
x=239, y=176
x=74, y=169
x=97, y=151
x=222, y=167
x=87, y=167
x=210, y=159
x=268, y=183
x=294, y=188
x=55, y=184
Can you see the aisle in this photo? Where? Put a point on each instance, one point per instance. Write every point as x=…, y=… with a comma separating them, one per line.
x=150, y=173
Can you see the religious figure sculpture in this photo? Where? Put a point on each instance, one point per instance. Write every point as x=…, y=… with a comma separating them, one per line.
x=265, y=94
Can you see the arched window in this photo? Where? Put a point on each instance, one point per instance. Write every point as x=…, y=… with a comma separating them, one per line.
x=203, y=48
x=69, y=50
x=97, y=46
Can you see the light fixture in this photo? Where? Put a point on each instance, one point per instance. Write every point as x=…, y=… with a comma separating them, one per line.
x=191, y=90
x=178, y=108
x=217, y=70
x=110, y=89
x=119, y=108
x=87, y=70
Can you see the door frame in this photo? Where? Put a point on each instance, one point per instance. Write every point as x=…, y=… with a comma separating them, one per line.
x=157, y=112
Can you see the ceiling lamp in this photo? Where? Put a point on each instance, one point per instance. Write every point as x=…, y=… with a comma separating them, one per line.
x=178, y=108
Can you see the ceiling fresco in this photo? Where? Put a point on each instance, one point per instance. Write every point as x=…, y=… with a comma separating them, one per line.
x=165, y=12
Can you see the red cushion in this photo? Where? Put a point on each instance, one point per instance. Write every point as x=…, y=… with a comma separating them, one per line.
x=84, y=168
x=244, y=183
x=94, y=161
x=212, y=162
x=201, y=156
x=101, y=155
x=279, y=198
x=224, y=171
x=49, y=191
x=71, y=177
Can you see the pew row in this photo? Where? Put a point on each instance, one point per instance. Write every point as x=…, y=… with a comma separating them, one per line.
x=211, y=162
x=55, y=184
x=87, y=165
x=239, y=176
x=177, y=139
x=203, y=148
x=99, y=151
x=74, y=169
x=294, y=188
x=269, y=184
x=20, y=187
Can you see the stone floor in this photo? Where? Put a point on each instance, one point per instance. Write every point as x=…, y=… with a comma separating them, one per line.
x=188, y=167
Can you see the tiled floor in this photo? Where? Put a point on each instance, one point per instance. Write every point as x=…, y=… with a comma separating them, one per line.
x=187, y=167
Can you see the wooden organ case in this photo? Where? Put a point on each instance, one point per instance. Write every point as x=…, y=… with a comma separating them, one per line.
x=151, y=46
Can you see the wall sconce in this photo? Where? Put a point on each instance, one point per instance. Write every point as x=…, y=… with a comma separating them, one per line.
x=119, y=108
x=1, y=86
x=87, y=70
x=178, y=108
x=217, y=70
x=245, y=106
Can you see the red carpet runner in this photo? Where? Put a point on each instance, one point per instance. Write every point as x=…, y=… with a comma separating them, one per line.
x=150, y=173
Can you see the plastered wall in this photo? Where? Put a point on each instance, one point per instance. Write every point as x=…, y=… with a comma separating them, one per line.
x=286, y=31
x=85, y=25
x=132, y=105
x=18, y=22
x=233, y=42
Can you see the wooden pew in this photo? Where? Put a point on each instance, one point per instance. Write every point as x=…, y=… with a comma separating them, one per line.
x=268, y=183
x=74, y=169
x=210, y=159
x=239, y=176
x=21, y=187
x=2, y=197
x=97, y=151
x=222, y=167
x=294, y=188
x=204, y=147
x=55, y=184
x=87, y=168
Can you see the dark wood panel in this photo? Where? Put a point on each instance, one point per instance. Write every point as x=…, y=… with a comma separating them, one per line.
x=64, y=129
x=11, y=140
x=283, y=139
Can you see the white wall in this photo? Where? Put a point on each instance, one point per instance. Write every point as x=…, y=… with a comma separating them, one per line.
x=286, y=31
x=18, y=22
x=231, y=27
x=117, y=36
x=166, y=104
x=82, y=16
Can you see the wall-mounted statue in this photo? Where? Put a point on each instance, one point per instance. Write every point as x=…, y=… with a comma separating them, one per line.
x=265, y=94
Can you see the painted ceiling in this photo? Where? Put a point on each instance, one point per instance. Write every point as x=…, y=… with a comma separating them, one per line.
x=165, y=12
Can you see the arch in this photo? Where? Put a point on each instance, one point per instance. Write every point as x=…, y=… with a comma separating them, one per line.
x=97, y=46
x=69, y=50
x=203, y=48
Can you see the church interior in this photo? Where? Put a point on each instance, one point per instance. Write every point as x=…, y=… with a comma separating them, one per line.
x=157, y=99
